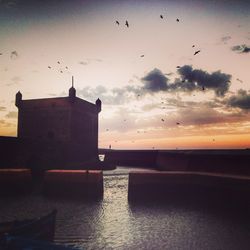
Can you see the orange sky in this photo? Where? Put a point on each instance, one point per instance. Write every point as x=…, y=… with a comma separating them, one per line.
x=134, y=70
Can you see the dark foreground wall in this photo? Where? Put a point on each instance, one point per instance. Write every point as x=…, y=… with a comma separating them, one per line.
x=181, y=186
x=63, y=183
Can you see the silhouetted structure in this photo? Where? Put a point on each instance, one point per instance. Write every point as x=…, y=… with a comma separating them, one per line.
x=58, y=131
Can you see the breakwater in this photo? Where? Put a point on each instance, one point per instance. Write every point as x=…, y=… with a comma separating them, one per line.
x=213, y=161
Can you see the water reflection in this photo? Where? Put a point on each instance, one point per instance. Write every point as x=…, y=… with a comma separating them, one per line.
x=113, y=223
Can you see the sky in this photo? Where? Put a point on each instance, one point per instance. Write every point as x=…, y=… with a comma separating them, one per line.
x=176, y=77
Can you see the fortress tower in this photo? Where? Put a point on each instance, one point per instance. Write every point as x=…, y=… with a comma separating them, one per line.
x=64, y=126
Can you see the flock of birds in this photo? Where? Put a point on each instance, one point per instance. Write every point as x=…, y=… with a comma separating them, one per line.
x=161, y=16
x=178, y=67
x=14, y=55
x=62, y=69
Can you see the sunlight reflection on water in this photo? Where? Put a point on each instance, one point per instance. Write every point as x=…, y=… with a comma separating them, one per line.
x=113, y=223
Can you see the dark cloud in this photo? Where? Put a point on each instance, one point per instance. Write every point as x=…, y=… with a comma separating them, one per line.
x=241, y=48
x=193, y=79
x=8, y=3
x=155, y=81
x=190, y=80
x=2, y=108
x=240, y=100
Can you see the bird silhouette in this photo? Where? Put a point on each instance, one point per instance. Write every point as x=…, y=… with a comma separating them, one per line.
x=66, y=67
x=162, y=120
x=127, y=23
x=142, y=55
x=196, y=52
x=1, y=54
x=193, y=46
x=177, y=20
x=177, y=123
x=13, y=54
x=49, y=67
x=58, y=62
x=61, y=71
x=117, y=22
x=107, y=129
x=239, y=80
x=161, y=16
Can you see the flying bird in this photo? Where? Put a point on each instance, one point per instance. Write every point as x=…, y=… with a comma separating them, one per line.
x=177, y=20
x=193, y=46
x=58, y=62
x=1, y=54
x=196, y=52
x=66, y=67
x=61, y=71
x=161, y=16
x=162, y=120
x=117, y=22
x=107, y=129
x=127, y=23
x=142, y=55
x=239, y=80
x=49, y=67
x=177, y=123
x=13, y=54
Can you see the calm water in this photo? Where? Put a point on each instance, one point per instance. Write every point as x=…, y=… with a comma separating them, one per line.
x=113, y=223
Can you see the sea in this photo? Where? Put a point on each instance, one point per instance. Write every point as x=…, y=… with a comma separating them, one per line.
x=113, y=222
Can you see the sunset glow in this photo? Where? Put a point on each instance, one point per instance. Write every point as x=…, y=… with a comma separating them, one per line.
x=155, y=92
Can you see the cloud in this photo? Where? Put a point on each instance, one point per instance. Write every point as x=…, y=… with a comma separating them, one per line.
x=12, y=114
x=2, y=108
x=83, y=63
x=90, y=60
x=240, y=100
x=3, y=123
x=241, y=48
x=190, y=80
x=225, y=39
x=196, y=79
x=14, y=81
x=155, y=81
x=8, y=3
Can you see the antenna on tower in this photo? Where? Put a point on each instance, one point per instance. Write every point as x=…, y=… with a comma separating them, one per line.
x=72, y=81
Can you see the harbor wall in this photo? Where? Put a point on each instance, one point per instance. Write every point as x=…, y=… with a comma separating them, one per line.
x=65, y=183
x=187, y=186
x=214, y=161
